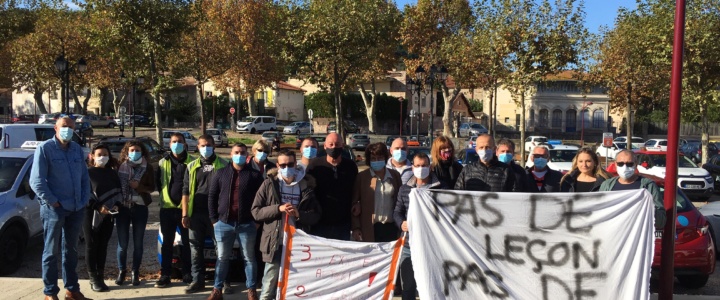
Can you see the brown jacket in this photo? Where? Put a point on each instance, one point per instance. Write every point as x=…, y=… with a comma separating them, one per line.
x=146, y=185
x=364, y=199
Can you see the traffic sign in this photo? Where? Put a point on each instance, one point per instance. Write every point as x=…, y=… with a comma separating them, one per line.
x=232, y=110
x=607, y=139
x=310, y=113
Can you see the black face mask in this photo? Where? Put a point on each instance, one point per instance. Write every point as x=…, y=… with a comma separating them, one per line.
x=334, y=152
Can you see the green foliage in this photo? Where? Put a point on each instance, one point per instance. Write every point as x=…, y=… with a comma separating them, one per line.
x=476, y=105
x=183, y=110
x=222, y=107
x=388, y=108
x=323, y=106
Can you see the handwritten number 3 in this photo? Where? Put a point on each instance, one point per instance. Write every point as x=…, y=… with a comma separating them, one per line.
x=300, y=294
x=309, y=255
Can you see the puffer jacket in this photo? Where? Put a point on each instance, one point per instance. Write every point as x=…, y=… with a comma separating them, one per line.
x=265, y=209
x=498, y=177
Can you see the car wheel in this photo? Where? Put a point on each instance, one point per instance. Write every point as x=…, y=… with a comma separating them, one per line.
x=693, y=281
x=111, y=125
x=252, y=131
x=12, y=249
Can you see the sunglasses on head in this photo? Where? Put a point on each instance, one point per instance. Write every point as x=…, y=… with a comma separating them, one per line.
x=622, y=164
x=283, y=166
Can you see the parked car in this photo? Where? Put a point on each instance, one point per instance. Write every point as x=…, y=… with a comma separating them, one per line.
x=219, y=136
x=48, y=117
x=350, y=127
x=656, y=145
x=25, y=119
x=321, y=141
x=468, y=129
x=155, y=151
x=471, y=141
x=84, y=129
x=190, y=139
x=418, y=141
x=15, y=135
x=20, y=221
x=561, y=157
x=713, y=167
x=693, y=150
x=298, y=128
x=253, y=124
x=467, y=156
x=611, y=152
x=389, y=140
x=534, y=140
x=636, y=141
x=695, y=182
x=711, y=212
x=98, y=121
x=694, y=246
x=273, y=136
x=358, y=141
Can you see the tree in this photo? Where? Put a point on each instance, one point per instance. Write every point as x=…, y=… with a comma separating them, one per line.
x=15, y=22
x=438, y=32
x=332, y=41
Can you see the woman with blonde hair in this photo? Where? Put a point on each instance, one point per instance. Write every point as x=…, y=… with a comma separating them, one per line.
x=586, y=174
x=443, y=162
x=258, y=160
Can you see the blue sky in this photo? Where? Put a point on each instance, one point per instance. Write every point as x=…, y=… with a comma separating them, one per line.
x=598, y=12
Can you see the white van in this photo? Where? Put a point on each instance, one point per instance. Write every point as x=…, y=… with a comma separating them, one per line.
x=14, y=135
x=254, y=124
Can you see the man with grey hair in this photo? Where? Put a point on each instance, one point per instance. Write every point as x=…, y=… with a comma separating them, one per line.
x=629, y=180
x=60, y=179
x=542, y=179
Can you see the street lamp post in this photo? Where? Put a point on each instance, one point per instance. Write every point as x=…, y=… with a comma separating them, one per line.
x=138, y=81
x=64, y=68
x=401, y=114
x=582, y=122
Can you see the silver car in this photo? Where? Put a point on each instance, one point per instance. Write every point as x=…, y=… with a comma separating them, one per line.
x=358, y=141
x=19, y=209
x=191, y=141
x=299, y=128
x=219, y=135
x=467, y=129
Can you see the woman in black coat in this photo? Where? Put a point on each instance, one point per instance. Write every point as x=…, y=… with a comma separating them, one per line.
x=586, y=174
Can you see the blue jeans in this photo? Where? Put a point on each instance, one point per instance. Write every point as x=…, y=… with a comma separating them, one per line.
x=226, y=234
x=60, y=225
x=336, y=232
x=270, y=279
x=407, y=275
x=138, y=216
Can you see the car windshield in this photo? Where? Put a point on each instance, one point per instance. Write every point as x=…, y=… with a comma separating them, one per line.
x=360, y=137
x=541, y=140
x=682, y=202
x=476, y=126
x=295, y=124
x=9, y=169
x=562, y=155
x=212, y=132
x=248, y=119
x=683, y=162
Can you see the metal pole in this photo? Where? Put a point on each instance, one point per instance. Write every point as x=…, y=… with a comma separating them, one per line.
x=432, y=108
x=667, y=261
x=582, y=126
x=133, y=110
x=417, y=116
x=401, y=113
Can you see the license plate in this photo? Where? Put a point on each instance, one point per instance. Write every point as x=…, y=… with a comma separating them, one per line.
x=210, y=254
x=360, y=145
x=658, y=234
x=693, y=186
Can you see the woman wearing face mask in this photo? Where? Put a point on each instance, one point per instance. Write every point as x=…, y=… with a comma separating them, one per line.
x=443, y=163
x=374, y=198
x=137, y=179
x=586, y=175
x=308, y=149
x=258, y=161
x=98, y=225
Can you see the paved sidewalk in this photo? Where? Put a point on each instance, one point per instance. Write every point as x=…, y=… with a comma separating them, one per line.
x=31, y=288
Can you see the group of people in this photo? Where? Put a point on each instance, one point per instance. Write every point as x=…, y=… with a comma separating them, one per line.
x=248, y=199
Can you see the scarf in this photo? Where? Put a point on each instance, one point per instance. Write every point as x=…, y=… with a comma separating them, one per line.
x=130, y=171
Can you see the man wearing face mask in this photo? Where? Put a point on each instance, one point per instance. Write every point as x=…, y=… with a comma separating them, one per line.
x=259, y=160
x=169, y=179
x=628, y=180
x=398, y=160
x=542, y=179
x=308, y=149
x=195, y=212
x=335, y=178
x=421, y=178
x=60, y=180
x=287, y=191
x=488, y=174
x=231, y=196
x=505, y=153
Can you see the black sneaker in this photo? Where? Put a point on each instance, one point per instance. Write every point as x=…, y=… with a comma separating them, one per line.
x=195, y=287
x=187, y=279
x=163, y=282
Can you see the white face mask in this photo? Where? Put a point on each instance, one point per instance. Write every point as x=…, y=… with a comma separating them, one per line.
x=626, y=172
x=421, y=172
x=100, y=161
x=486, y=155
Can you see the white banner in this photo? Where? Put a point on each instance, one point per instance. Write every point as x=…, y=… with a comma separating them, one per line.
x=476, y=245
x=318, y=268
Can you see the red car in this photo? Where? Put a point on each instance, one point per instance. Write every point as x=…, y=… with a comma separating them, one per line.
x=694, y=249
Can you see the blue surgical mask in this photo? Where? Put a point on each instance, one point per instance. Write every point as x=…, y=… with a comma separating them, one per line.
x=206, y=151
x=261, y=156
x=177, y=148
x=309, y=152
x=66, y=134
x=239, y=159
x=540, y=162
x=505, y=157
x=377, y=165
x=288, y=172
x=399, y=155
x=134, y=156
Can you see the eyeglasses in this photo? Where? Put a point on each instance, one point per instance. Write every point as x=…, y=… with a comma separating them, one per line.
x=259, y=150
x=622, y=164
x=283, y=166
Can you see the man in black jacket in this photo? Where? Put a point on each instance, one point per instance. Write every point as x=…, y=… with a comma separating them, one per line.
x=505, y=152
x=231, y=196
x=542, y=179
x=488, y=174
